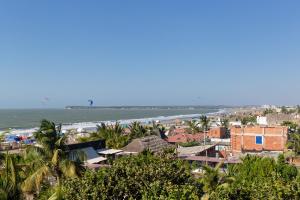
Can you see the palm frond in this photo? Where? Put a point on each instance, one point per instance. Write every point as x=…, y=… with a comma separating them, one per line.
x=33, y=182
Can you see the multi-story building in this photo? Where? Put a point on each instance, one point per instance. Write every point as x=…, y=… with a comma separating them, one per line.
x=258, y=139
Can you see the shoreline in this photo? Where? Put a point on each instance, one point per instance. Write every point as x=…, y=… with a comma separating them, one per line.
x=93, y=125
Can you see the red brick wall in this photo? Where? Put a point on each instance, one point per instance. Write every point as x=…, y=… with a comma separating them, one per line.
x=218, y=132
x=243, y=139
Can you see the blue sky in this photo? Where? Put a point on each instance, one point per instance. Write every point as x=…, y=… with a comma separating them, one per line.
x=149, y=52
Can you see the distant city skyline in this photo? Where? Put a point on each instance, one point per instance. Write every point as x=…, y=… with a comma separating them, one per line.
x=59, y=53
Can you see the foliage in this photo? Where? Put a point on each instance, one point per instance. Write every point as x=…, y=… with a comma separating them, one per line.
x=284, y=110
x=113, y=134
x=137, y=130
x=11, y=175
x=193, y=127
x=204, y=121
x=294, y=143
x=248, y=120
x=50, y=163
x=291, y=125
x=137, y=177
x=213, y=179
x=225, y=123
x=268, y=111
x=261, y=178
x=158, y=129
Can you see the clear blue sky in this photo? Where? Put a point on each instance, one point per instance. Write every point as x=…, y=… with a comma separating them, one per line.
x=149, y=52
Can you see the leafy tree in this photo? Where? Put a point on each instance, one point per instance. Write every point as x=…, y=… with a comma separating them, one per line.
x=286, y=171
x=248, y=120
x=291, y=125
x=284, y=110
x=268, y=111
x=260, y=178
x=145, y=176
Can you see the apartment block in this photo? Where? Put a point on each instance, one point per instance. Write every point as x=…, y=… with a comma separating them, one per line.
x=258, y=139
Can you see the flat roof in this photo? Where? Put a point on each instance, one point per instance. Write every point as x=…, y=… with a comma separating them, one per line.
x=194, y=149
x=96, y=160
x=232, y=160
x=109, y=151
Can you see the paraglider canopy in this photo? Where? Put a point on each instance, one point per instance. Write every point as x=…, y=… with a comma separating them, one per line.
x=91, y=102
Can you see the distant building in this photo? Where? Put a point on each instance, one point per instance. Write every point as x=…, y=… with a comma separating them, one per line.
x=260, y=120
x=235, y=123
x=258, y=139
x=217, y=132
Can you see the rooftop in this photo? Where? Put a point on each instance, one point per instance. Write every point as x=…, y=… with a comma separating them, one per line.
x=153, y=143
x=193, y=150
x=109, y=151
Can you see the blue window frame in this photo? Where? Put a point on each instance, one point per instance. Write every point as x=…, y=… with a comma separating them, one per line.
x=258, y=140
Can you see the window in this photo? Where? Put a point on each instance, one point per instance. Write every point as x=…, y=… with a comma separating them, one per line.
x=258, y=139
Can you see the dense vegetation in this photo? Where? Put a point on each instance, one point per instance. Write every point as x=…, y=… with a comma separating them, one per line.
x=163, y=177
x=137, y=177
x=116, y=137
x=50, y=171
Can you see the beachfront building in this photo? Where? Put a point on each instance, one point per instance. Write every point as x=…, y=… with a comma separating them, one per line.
x=89, y=149
x=258, y=139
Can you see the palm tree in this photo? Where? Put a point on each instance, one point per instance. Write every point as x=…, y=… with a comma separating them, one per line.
x=50, y=162
x=213, y=179
x=158, y=129
x=10, y=178
x=225, y=123
x=137, y=130
x=112, y=134
x=193, y=126
x=204, y=121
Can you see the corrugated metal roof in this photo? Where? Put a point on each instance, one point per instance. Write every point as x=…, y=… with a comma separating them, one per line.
x=96, y=160
x=109, y=151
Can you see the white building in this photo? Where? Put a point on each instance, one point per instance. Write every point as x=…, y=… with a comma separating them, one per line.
x=262, y=120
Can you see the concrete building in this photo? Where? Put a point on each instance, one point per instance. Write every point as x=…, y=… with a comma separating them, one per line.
x=258, y=139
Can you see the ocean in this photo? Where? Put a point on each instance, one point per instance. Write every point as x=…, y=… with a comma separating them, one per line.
x=29, y=118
